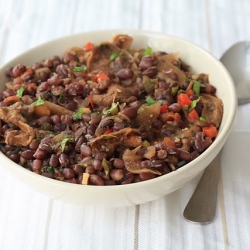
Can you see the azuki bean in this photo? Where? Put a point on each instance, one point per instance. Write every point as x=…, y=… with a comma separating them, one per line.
x=118, y=163
x=199, y=142
x=40, y=154
x=129, y=178
x=146, y=176
x=77, y=169
x=146, y=62
x=97, y=164
x=68, y=173
x=54, y=160
x=145, y=164
x=18, y=70
x=116, y=174
x=129, y=112
x=150, y=72
x=85, y=150
x=36, y=165
x=15, y=157
x=96, y=180
x=184, y=155
x=27, y=154
x=64, y=160
x=86, y=117
x=100, y=155
x=125, y=73
x=174, y=107
x=90, y=170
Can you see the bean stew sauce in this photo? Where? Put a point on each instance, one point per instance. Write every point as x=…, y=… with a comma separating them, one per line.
x=107, y=114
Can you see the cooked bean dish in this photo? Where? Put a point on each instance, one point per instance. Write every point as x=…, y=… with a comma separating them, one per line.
x=107, y=114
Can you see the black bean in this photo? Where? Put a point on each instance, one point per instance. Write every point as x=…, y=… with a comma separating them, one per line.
x=125, y=73
x=68, y=173
x=208, y=89
x=96, y=180
x=66, y=119
x=71, y=105
x=118, y=126
x=48, y=175
x=91, y=129
x=157, y=124
x=59, y=127
x=56, y=119
x=79, y=142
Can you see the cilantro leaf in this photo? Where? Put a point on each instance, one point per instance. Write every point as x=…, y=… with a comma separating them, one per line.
x=82, y=68
x=39, y=101
x=203, y=118
x=147, y=51
x=20, y=91
x=78, y=114
x=50, y=170
x=193, y=104
x=64, y=142
x=150, y=100
x=113, y=107
x=115, y=55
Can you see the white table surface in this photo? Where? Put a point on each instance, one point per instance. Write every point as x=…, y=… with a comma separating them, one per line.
x=29, y=220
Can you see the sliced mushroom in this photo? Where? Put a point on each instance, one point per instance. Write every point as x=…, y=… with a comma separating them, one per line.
x=212, y=109
x=125, y=137
x=12, y=114
x=123, y=41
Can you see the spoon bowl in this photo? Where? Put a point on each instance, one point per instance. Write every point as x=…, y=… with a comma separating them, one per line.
x=237, y=61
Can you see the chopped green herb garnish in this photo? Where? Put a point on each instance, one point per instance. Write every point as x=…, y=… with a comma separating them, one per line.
x=150, y=100
x=39, y=101
x=196, y=85
x=102, y=46
x=20, y=91
x=113, y=107
x=108, y=136
x=147, y=51
x=78, y=114
x=106, y=166
x=64, y=142
x=50, y=170
x=61, y=98
x=115, y=55
x=203, y=118
x=194, y=102
x=174, y=90
x=82, y=68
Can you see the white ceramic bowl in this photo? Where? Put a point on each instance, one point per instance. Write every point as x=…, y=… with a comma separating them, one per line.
x=131, y=194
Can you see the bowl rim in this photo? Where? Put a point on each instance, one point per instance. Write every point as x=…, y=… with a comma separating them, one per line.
x=220, y=140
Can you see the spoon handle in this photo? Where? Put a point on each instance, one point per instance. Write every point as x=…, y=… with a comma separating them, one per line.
x=201, y=207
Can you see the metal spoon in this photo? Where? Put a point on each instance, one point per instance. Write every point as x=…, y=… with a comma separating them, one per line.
x=201, y=207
